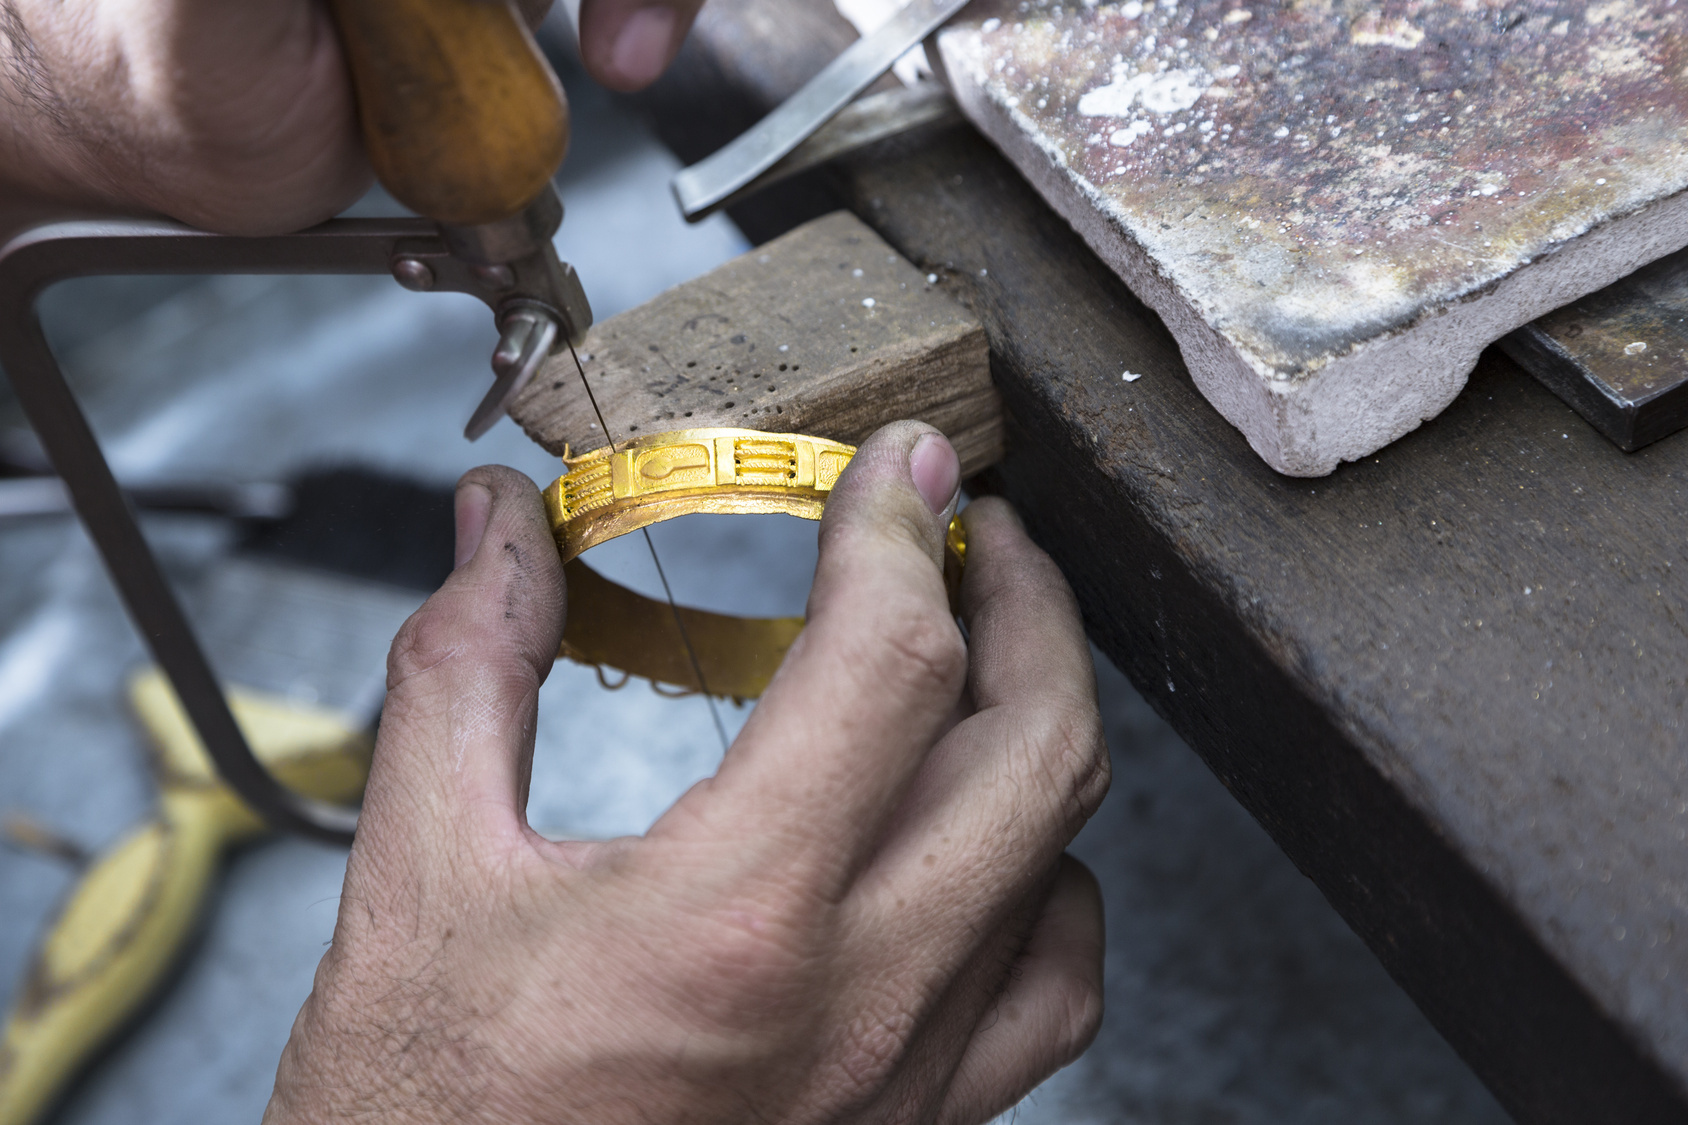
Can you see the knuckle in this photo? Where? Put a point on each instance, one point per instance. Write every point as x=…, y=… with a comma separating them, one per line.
x=445, y=633
x=925, y=649
x=756, y=965
x=426, y=640
x=889, y=1016
x=1080, y=1016
x=1073, y=755
x=873, y=1046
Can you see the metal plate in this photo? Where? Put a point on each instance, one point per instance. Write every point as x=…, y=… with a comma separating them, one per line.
x=1618, y=357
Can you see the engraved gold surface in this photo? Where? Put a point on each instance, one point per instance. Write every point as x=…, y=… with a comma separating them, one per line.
x=608, y=493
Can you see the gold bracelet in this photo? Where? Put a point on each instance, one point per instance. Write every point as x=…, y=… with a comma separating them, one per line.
x=605, y=494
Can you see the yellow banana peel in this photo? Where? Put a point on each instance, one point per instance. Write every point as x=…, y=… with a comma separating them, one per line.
x=127, y=920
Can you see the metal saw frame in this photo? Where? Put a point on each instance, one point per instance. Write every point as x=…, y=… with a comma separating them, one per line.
x=44, y=255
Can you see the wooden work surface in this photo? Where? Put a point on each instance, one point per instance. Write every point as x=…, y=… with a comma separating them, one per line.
x=1449, y=680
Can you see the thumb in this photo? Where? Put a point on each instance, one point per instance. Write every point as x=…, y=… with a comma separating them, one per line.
x=456, y=740
x=869, y=683
x=873, y=496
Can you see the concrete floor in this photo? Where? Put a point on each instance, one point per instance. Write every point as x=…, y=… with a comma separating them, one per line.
x=1235, y=995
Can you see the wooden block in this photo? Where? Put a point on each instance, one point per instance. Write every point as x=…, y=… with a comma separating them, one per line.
x=824, y=331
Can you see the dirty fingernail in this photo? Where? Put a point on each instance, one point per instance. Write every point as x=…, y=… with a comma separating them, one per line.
x=641, y=46
x=936, y=471
x=473, y=507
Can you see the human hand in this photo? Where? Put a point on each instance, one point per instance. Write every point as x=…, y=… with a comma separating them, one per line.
x=233, y=117
x=864, y=916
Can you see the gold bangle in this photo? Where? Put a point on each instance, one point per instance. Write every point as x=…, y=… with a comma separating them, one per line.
x=605, y=494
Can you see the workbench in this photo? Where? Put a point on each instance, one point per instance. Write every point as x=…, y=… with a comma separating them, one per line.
x=1448, y=680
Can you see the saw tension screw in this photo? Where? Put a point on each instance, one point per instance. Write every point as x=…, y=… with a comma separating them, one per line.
x=496, y=275
x=414, y=274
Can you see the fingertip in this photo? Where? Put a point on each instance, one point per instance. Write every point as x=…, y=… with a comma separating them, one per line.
x=1001, y=557
x=495, y=501
x=898, y=485
x=642, y=48
x=1051, y=1009
x=989, y=512
x=1078, y=893
x=936, y=471
x=1074, y=936
x=498, y=507
x=505, y=488
x=627, y=45
x=472, y=506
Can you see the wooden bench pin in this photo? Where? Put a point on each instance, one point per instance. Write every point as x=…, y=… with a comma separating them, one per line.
x=815, y=341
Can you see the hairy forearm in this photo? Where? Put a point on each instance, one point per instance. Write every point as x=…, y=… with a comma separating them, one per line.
x=233, y=117
x=38, y=135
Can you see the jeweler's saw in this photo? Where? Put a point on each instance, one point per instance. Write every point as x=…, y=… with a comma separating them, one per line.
x=465, y=124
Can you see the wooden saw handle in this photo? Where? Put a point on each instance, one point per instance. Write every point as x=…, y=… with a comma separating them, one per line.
x=463, y=118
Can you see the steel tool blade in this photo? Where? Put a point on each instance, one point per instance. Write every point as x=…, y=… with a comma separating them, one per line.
x=526, y=341
x=709, y=183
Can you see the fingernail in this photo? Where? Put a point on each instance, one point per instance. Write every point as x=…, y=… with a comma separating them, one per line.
x=641, y=46
x=472, y=507
x=936, y=471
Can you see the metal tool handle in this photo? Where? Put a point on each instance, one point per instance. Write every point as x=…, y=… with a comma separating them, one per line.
x=463, y=118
